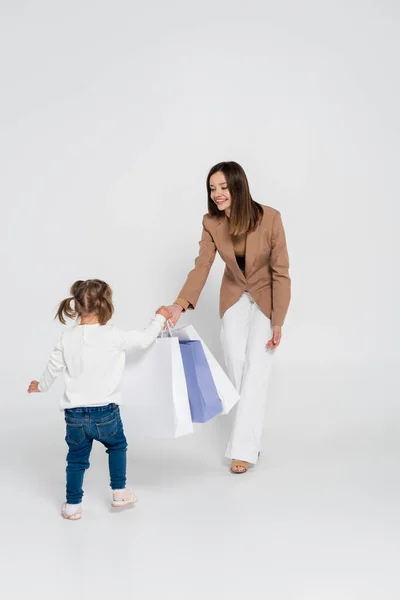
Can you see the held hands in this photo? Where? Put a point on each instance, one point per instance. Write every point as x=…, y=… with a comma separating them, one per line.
x=175, y=313
x=33, y=387
x=164, y=311
x=276, y=338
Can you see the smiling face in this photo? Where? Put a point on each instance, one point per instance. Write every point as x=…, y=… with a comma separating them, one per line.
x=219, y=191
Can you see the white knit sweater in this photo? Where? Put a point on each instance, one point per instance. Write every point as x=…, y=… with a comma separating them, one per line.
x=92, y=358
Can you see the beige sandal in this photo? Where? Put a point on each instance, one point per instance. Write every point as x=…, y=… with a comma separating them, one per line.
x=240, y=464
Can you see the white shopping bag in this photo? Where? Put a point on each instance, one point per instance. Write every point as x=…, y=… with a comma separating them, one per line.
x=225, y=388
x=155, y=401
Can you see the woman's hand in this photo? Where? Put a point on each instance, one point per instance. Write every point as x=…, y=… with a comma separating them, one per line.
x=176, y=312
x=276, y=338
x=33, y=387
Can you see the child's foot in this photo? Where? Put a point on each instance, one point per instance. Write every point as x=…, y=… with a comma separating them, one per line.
x=123, y=498
x=73, y=512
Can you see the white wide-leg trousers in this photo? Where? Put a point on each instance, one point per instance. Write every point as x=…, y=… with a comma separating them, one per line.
x=245, y=332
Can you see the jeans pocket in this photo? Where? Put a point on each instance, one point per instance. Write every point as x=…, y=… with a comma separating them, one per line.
x=108, y=429
x=75, y=433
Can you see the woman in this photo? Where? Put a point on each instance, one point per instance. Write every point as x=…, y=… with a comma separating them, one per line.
x=254, y=299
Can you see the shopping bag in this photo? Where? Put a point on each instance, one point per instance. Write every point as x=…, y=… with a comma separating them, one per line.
x=225, y=388
x=155, y=401
x=203, y=396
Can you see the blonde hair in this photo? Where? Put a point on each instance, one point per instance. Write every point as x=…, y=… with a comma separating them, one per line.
x=91, y=296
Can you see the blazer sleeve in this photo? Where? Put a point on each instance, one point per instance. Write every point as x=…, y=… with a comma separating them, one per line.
x=281, y=285
x=197, y=277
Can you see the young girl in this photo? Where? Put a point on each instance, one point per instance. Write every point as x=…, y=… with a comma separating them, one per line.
x=92, y=355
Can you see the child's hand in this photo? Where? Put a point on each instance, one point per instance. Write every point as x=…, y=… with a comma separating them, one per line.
x=34, y=387
x=163, y=310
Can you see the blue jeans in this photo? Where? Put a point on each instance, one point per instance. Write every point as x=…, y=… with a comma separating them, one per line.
x=85, y=424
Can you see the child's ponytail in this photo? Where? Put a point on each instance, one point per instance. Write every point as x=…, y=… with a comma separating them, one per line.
x=105, y=310
x=65, y=309
x=91, y=297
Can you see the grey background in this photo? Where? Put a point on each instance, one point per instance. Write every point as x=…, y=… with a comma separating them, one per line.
x=111, y=115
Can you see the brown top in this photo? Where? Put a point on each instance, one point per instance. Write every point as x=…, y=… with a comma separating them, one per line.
x=266, y=276
x=239, y=244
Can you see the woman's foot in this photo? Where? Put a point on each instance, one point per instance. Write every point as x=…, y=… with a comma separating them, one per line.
x=239, y=466
x=123, y=498
x=72, y=512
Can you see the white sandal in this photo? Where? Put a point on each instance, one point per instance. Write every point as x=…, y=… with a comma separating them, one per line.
x=74, y=517
x=123, y=498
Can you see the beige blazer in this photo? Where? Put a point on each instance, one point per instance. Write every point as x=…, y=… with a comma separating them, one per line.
x=267, y=265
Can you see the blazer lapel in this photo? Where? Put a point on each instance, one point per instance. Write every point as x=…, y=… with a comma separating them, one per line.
x=226, y=247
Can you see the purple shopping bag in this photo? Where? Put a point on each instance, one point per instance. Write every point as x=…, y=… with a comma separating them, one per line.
x=203, y=396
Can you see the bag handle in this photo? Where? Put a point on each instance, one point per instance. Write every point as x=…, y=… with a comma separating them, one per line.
x=168, y=330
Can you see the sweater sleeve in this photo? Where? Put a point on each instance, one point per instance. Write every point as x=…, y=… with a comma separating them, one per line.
x=55, y=367
x=140, y=340
x=280, y=272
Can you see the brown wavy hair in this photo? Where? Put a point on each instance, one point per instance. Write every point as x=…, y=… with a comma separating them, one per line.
x=245, y=212
x=92, y=296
